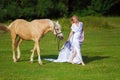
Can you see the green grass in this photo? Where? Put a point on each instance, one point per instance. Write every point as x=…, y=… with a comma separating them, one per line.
x=101, y=51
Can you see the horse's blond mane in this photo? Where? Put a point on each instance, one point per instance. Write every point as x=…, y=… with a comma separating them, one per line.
x=56, y=24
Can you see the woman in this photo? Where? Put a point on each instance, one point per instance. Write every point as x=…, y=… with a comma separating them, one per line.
x=76, y=37
x=70, y=51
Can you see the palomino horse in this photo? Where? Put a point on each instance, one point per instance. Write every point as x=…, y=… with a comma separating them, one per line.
x=23, y=30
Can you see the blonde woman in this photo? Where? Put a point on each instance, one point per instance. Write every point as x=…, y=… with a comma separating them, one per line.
x=70, y=52
x=76, y=37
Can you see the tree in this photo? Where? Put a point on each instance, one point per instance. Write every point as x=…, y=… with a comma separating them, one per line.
x=32, y=9
x=101, y=6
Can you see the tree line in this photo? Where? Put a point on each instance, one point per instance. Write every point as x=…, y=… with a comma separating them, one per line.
x=31, y=9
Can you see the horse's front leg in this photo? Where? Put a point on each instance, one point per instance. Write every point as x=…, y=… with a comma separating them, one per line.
x=36, y=46
x=38, y=52
x=39, y=58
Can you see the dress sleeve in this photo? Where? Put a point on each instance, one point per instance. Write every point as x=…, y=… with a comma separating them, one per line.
x=81, y=24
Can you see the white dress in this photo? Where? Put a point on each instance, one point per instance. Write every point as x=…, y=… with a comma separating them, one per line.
x=71, y=46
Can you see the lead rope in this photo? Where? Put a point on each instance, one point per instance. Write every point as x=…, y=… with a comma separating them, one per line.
x=58, y=43
x=58, y=40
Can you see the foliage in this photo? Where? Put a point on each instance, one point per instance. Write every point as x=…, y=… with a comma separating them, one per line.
x=31, y=9
x=43, y=7
x=101, y=6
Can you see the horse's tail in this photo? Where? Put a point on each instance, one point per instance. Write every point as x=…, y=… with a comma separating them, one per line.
x=4, y=28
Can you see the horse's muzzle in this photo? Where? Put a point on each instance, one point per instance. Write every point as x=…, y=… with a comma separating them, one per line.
x=60, y=37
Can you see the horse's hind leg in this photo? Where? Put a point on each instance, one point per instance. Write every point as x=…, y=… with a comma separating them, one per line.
x=18, y=48
x=13, y=35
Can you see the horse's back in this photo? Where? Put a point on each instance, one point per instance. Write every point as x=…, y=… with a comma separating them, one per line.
x=28, y=30
x=23, y=23
x=24, y=29
x=44, y=22
x=17, y=22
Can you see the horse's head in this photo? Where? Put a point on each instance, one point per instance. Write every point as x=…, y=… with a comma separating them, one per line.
x=57, y=30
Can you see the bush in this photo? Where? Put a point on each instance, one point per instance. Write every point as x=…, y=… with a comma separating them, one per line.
x=96, y=22
x=32, y=9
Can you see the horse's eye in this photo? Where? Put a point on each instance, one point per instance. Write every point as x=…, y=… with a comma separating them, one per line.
x=57, y=29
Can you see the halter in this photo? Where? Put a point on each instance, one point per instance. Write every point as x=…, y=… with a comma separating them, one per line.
x=58, y=40
x=57, y=32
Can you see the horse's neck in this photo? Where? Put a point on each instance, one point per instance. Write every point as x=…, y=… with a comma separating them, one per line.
x=46, y=30
x=49, y=28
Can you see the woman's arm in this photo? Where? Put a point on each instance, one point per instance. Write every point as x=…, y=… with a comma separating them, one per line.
x=71, y=33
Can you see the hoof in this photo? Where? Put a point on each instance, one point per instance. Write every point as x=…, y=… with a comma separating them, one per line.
x=31, y=61
x=40, y=63
x=17, y=59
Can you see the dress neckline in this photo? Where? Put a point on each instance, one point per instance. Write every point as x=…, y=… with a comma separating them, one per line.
x=76, y=24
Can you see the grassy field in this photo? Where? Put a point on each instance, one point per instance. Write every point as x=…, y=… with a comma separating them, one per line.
x=100, y=50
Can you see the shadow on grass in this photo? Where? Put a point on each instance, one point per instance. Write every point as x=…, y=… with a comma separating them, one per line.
x=85, y=58
x=93, y=58
x=49, y=56
x=26, y=57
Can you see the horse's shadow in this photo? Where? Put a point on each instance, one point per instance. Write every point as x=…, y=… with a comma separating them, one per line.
x=49, y=56
x=86, y=59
